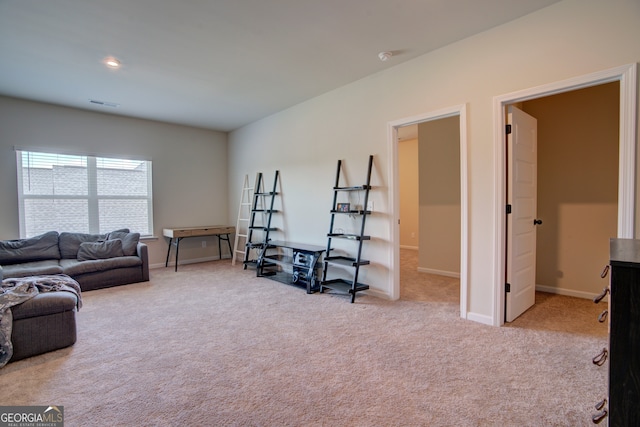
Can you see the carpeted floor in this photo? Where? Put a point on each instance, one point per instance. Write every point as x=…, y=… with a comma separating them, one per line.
x=212, y=345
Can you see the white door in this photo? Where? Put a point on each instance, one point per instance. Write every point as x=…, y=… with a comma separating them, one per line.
x=522, y=169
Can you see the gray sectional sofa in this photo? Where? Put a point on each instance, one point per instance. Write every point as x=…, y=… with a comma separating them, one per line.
x=46, y=322
x=42, y=323
x=94, y=260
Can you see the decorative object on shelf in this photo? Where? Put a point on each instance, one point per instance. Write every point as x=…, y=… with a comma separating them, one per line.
x=343, y=207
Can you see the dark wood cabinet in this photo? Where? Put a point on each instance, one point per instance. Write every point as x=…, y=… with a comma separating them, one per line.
x=624, y=334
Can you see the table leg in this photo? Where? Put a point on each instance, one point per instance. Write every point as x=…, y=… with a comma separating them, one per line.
x=229, y=243
x=166, y=263
x=177, y=249
x=228, y=239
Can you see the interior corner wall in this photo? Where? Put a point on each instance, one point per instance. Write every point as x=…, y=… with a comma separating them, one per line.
x=578, y=146
x=409, y=193
x=439, y=154
x=567, y=39
x=189, y=165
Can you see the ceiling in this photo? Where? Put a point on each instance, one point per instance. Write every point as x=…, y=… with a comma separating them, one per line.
x=220, y=64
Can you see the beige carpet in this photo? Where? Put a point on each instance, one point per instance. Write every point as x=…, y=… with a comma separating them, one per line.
x=212, y=345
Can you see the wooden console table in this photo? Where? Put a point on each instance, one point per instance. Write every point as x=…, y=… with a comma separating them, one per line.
x=220, y=231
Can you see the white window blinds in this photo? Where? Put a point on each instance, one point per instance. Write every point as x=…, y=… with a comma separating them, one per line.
x=83, y=194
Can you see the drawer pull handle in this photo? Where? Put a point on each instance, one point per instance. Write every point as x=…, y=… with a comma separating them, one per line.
x=601, y=358
x=605, y=271
x=604, y=293
x=597, y=418
x=603, y=316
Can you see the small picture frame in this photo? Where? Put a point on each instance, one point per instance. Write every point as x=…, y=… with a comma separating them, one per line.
x=343, y=207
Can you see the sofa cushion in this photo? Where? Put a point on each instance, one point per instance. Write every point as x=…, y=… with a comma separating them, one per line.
x=42, y=247
x=73, y=267
x=100, y=250
x=44, y=304
x=35, y=268
x=129, y=241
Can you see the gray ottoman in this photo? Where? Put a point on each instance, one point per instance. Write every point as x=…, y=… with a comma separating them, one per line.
x=43, y=323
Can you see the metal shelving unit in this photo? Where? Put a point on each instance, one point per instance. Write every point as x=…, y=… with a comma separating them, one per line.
x=346, y=285
x=262, y=210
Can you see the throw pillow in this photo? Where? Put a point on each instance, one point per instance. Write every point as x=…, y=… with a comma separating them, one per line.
x=100, y=250
x=70, y=242
x=129, y=241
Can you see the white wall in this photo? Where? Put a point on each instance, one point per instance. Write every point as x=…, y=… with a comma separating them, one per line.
x=439, y=154
x=409, y=179
x=568, y=39
x=189, y=165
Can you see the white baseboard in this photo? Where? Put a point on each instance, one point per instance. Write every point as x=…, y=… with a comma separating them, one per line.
x=480, y=318
x=439, y=272
x=565, y=292
x=376, y=293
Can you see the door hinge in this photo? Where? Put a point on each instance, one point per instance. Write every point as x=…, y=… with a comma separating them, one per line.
x=508, y=209
x=508, y=129
x=507, y=287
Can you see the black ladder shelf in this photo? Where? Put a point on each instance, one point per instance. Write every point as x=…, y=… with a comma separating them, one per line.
x=260, y=220
x=347, y=286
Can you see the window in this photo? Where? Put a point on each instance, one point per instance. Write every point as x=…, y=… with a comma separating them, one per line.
x=84, y=194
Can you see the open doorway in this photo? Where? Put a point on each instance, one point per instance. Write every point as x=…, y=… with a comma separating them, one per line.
x=574, y=208
x=438, y=232
x=429, y=174
x=613, y=214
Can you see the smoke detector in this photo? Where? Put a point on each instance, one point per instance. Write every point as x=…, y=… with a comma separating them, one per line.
x=385, y=56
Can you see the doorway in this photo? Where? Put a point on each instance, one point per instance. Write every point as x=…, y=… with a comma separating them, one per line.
x=625, y=77
x=429, y=177
x=458, y=114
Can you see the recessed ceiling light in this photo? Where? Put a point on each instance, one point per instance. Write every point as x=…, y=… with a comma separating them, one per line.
x=112, y=62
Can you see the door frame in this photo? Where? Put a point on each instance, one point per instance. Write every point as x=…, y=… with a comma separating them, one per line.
x=626, y=76
x=394, y=196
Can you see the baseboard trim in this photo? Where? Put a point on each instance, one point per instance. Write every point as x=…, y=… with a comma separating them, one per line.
x=439, y=272
x=375, y=293
x=565, y=292
x=480, y=318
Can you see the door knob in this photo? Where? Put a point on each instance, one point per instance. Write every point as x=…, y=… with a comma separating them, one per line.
x=537, y=221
